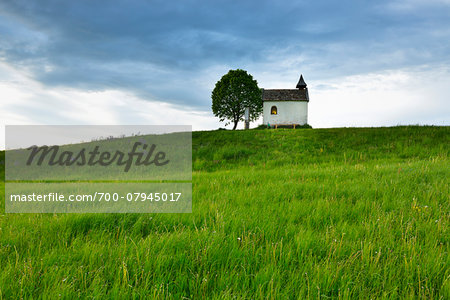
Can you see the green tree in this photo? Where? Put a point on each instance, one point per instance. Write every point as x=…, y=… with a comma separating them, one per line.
x=234, y=92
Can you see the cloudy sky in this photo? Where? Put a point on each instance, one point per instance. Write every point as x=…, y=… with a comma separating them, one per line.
x=366, y=63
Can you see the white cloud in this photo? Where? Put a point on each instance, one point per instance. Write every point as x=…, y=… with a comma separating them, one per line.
x=414, y=5
x=26, y=102
x=410, y=96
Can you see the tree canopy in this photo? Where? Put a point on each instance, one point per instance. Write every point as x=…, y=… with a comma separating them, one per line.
x=234, y=92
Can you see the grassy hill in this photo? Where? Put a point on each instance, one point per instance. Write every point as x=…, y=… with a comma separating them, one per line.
x=340, y=213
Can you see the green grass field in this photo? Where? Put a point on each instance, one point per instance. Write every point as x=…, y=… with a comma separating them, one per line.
x=322, y=213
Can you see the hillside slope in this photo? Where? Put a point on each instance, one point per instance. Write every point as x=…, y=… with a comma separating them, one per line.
x=341, y=213
x=214, y=150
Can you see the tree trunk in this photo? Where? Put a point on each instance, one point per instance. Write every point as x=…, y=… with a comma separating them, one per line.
x=235, y=124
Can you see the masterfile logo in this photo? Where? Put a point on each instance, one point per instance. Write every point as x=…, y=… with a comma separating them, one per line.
x=99, y=152
x=53, y=156
x=90, y=169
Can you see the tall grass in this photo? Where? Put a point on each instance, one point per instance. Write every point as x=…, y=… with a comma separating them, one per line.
x=331, y=213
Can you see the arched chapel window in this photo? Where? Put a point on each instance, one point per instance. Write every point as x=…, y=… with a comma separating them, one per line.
x=273, y=110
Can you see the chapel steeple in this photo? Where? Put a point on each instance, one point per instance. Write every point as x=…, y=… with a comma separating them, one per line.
x=301, y=83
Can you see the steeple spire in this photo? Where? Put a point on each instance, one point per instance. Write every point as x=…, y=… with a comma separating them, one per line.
x=301, y=83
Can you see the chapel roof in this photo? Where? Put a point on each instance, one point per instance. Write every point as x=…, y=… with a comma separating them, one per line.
x=285, y=95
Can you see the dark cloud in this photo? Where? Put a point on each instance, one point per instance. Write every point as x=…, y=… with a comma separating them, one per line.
x=161, y=49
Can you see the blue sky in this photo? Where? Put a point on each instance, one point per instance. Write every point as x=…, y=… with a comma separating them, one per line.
x=367, y=63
